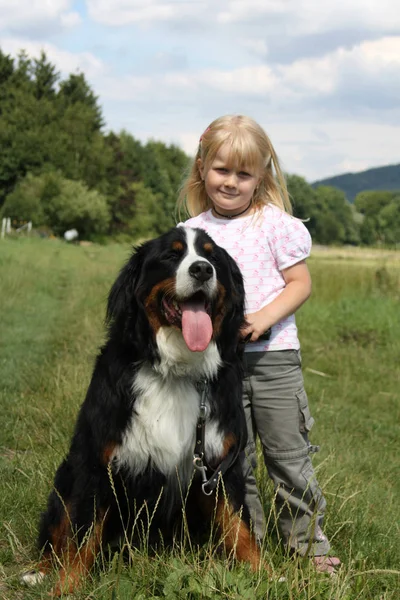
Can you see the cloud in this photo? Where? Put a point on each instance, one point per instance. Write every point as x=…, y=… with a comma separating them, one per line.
x=305, y=83
x=33, y=17
x=65, y=62
x=122, y=12
x=304, y=16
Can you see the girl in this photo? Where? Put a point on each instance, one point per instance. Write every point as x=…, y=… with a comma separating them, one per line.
x=234, y=195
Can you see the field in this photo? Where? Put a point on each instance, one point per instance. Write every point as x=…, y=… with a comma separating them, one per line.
x=52, y=305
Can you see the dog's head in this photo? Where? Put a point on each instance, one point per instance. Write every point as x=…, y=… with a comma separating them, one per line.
x=181, y=280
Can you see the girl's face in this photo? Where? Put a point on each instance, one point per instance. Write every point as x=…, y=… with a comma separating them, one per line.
x=229, y=188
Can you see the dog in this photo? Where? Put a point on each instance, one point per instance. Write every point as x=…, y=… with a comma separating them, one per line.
x=162, y=425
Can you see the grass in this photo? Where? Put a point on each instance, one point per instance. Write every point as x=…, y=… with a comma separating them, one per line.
x=53, y=297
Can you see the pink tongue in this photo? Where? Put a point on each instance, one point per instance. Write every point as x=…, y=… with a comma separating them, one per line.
x=196, y=326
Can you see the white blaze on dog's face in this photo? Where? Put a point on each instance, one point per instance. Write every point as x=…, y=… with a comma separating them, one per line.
x=196, y=286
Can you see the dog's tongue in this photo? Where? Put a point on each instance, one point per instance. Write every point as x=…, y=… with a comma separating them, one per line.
x=196, y=326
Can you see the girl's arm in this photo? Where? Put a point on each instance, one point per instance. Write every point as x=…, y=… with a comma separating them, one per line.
x=296, y=292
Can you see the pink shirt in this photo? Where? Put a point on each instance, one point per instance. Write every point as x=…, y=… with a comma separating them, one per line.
x=262, y=245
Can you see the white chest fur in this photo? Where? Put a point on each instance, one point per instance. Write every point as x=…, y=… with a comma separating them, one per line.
x=163, y=426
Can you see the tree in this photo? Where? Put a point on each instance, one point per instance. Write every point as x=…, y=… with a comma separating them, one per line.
x=371, y=202
x=389, y=222
x=305, y=202
x=380, y=209
x=75, y=206
x=45, y=77
x=42, y=129
x=24, y=203
x=368, y=231
x=50, y=199
x=333, y=202
x=6, y=71
x=76, y=91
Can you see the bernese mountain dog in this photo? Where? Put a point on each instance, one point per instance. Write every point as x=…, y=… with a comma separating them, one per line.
x=162, y=426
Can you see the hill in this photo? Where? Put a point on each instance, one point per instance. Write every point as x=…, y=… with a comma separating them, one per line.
x=379, y=178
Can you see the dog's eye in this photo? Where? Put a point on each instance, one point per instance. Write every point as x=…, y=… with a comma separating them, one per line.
x=172, y=255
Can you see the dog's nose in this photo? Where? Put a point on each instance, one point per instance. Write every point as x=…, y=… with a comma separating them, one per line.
x=201, y=270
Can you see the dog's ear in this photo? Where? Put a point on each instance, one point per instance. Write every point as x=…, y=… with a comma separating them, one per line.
x=121, y=299
x=234, y=320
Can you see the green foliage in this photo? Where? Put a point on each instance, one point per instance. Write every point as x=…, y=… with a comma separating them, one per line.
x=43, y=127
x=381, y=217
x=58, y=203
x=76, y=90
x=75, y=206
x=389, y=221
x=45, y=77
x=143, y=181
x=370, y=203
x=325, y=211
x=49, y=124
x=24, y=203
x=337, y=217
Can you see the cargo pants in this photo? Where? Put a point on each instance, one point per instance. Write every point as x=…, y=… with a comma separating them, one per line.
x=276, y=409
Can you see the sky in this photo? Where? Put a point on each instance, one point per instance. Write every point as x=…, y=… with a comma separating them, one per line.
x=321, y=76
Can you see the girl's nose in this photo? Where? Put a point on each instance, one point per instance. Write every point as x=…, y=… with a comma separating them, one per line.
x=231, y=180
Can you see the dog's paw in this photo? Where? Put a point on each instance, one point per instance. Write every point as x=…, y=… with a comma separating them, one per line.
x=32, y=578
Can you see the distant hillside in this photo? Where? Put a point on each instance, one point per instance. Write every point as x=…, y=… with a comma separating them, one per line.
x=380, y=178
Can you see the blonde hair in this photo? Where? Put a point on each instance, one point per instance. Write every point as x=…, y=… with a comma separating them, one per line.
x=250, y=148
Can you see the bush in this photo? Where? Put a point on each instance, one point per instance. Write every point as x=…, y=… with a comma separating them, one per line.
x=53, y=201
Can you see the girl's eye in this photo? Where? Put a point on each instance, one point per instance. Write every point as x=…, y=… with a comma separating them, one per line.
x=244, y=174
x=221, y=170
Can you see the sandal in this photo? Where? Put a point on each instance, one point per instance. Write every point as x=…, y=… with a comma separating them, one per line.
x=326, y=564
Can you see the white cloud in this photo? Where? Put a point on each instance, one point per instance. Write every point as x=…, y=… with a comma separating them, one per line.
x=289, y=17
x=122, y=12
x=370, y=60
x=257, y=47
x=28, y=15
x=65, y=62
x=70, y=19
x=312, y=78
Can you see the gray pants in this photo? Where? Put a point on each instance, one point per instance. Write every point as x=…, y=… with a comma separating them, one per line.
x=276, y=408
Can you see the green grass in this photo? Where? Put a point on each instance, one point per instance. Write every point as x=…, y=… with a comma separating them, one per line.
x=52, y=306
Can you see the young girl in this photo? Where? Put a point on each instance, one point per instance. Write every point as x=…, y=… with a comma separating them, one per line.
x=234, y=195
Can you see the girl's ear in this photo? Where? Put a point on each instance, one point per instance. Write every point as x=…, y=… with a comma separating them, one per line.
x=200, y=166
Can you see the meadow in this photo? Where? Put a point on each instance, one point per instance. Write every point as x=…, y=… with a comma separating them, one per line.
x=52, y=298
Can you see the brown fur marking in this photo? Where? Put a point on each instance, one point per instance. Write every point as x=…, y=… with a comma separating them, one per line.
x=78, y=562
x=155, y=319
x=108, y=453
x=178, y=246
x=229, y=441
x=236, y=535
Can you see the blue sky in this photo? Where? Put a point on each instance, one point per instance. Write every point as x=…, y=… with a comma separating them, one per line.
x=322, y=77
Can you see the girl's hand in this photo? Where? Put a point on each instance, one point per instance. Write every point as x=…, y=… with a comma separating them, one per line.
x=257, y=324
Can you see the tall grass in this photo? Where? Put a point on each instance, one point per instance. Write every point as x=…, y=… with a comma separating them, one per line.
x=52, y=306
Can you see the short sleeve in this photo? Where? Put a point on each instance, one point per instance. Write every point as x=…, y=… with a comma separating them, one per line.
x=292, y=242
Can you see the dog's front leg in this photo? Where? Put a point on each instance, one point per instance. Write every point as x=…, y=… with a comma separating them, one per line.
x=77, y=561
